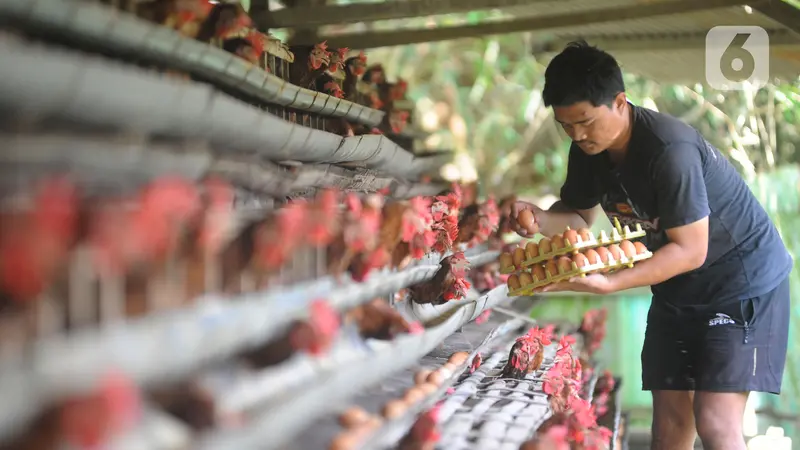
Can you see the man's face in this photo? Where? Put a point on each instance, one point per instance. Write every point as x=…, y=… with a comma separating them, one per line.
x=592, y=128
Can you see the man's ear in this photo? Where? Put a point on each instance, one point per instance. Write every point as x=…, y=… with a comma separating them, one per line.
x=620, y=100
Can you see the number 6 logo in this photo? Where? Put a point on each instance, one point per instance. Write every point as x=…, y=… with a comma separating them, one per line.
x=735, y=55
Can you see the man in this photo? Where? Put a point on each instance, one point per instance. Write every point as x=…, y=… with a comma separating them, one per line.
x=719, y=319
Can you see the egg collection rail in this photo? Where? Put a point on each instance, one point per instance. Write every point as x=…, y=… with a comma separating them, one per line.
x=341, y=381
x=105, y=29
x=162, y=348
x=91, y=90
x=487, y=411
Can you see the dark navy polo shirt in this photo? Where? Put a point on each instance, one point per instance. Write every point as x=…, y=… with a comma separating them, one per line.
x=672, y=176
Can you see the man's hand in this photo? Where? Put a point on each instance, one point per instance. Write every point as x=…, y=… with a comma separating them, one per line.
x=538, y=216
x=596, y=283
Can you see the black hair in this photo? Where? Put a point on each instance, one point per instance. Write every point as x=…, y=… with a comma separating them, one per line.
x=582, y=73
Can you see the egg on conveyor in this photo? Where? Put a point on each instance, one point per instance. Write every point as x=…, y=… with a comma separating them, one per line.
x=427, y=388
x=421, y=376
x=353, y=416
x=458, y=358
x=394, y=409
x=413, y=396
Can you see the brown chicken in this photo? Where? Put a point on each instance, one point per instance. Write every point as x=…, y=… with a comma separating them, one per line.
x=378, y=320
x=354, y=69
x=425, y=433
x=527, y=353
x=310, y=62
x=224, y=21
x=356, y=245
x=449, y=283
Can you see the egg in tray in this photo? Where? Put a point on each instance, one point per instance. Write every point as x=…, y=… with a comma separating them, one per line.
x=572, y=253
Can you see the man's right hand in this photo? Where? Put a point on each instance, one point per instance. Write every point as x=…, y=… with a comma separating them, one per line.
x=538, y=216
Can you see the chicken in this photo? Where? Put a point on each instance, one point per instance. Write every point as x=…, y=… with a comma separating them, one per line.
x=183, y=16
x=378, y=320
x=374, y=74
x=275, y=240
x=145, y=238
x=338, y=58
x=224, y=21
x=310, y=62
x=34, y=242
x=527, y=353
x=574, y=427
x=356, y=245
x=449, y=283
x=478, y=223
x=563, y=381
x=336, y=125
x=425, y=433
x=593, y=329
x=553, y=438
x=250, y=48
x=354, y=69
x=444, y=211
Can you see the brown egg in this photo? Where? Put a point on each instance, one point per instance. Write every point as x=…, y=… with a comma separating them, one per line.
x=557, y=242
x=413, y=396
x=538, y=273
x=373, y=423
x=527, y=221
x=531, y=250
x=585, y=234
x=513, y=283
x=640, y=248
x=615, y=251
x=545, y=247
x=570, y=237
x=580, y=260
x=353, y=416
x=394, y=409
x=506, y=260
x=551, y=268
x=603, y=253
x=592, y=257
x=421, y=376
x=628, y=248
x=346, y=440
x=450, y=366
x=525, y=279
x=518, y=256
x=458, y=358
x=564, y=264
x=428, y=388
x=436, y=378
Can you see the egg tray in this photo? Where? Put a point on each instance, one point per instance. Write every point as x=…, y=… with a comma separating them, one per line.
x=618, y=234
x=576, y=271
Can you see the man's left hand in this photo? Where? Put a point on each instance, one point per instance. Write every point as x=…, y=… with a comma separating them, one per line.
x=596, y=283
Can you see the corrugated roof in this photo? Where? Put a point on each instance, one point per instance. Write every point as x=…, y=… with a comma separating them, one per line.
x=671, y=48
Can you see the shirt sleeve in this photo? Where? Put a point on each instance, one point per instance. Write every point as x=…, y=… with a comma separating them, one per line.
x=580, y=189
x=680, y=187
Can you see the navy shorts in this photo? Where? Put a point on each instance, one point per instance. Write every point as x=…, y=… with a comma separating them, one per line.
x=739, y=347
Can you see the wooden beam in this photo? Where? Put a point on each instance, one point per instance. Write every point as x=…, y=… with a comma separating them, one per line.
x=369, y=12
x=619, y=14
x=781, y=12
x=636, y=42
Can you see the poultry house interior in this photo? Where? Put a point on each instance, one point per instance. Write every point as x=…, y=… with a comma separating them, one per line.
x=212, y=239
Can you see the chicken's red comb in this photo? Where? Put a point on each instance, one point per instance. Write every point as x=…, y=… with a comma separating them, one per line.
x=353, y=203
x=362, y=56
x=256, y=40
x=342, y=52
x=322, y=45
